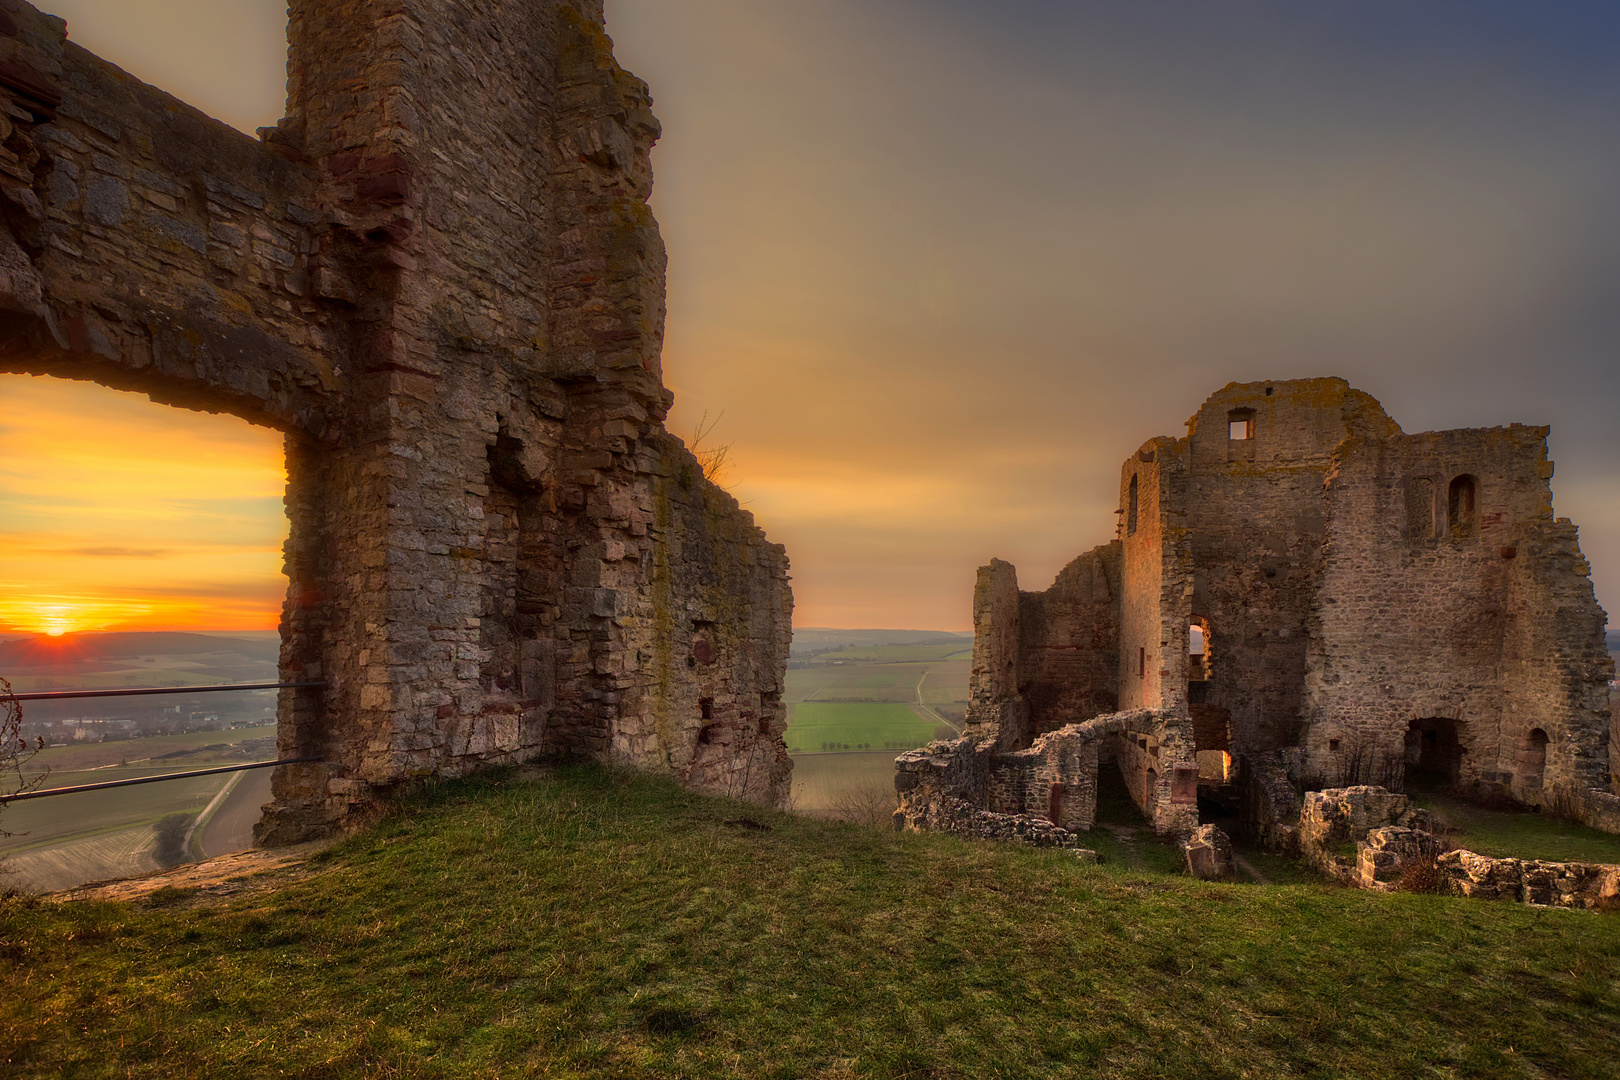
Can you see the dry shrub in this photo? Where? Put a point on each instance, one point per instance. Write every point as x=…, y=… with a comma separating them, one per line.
x=15, y=750
x=1421, y=874
x=872, y=804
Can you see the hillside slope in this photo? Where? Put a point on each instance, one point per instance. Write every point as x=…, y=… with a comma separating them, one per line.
x=598, y=924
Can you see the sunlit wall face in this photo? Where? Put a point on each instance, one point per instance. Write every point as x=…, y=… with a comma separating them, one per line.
x=116, y=513
x=938, y=266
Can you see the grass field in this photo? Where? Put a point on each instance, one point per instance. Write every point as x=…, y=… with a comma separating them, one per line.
x=1519, y=835
x=604, y=925
x=820, y=779
x=818, y=726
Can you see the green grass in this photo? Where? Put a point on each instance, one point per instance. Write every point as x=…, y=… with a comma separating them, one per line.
x=1519, y=835
x=878, y=725
x=603, y=925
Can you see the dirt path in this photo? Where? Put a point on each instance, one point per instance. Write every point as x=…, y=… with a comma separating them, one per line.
x=231, y=827
x=1248, y=868
x=927, y=710
x=1126, y=836
x=243, y=873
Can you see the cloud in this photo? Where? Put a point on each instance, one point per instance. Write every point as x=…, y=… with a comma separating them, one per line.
x=121, y=552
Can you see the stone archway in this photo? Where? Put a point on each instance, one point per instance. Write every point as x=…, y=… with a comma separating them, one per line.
x=497, y=550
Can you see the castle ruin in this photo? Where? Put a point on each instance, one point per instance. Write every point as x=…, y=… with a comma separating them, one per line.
x=1298, y=588
x=440, y=278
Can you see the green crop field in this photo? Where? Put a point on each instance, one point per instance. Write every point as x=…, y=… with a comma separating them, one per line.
x=816, y=725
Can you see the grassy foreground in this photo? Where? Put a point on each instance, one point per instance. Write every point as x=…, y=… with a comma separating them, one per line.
x=599, y=924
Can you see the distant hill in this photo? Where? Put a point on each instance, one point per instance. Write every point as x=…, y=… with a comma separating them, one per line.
x=42, y=650
x=815, y=639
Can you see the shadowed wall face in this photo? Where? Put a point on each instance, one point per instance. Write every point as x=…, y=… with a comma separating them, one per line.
x=439, y=277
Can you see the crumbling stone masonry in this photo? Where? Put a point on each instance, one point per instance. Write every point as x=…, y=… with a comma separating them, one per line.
x=1369, y=604
x=440, y=278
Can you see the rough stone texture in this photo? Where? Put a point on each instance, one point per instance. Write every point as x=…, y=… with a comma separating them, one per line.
x=1373, y=602
x=1592, y=886
x=1333, y=820
x=1208, y=852
x=1055, y=779
x=1271, y=806
x=1386, y=853
x=440, y=278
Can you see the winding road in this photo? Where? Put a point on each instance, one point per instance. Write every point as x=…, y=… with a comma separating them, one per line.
x=230, y=828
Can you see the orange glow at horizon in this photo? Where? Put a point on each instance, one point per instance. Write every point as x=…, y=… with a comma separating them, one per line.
x=119, y=514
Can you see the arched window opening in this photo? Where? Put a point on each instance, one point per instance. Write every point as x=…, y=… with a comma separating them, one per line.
x=1462, y=506
x=1199, y=667
x=1130, y=510
x=1420, y=508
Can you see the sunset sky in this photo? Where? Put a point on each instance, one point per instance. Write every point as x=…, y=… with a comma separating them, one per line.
x=938, y=266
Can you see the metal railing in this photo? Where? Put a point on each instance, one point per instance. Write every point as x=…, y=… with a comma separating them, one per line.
x=48, y=792
x=64, y=695
x=145, y=691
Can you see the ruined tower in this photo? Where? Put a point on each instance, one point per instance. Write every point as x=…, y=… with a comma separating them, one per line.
x=1299, y=579
x=439, y=276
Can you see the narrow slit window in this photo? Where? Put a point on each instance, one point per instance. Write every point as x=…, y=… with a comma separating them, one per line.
x=1130, y=510
x=1141, y=662
x=1462, y=505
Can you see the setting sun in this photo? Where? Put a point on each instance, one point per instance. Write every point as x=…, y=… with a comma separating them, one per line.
x=148, y=518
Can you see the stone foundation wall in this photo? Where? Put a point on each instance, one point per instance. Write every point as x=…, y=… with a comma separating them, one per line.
x=1055, y=779
x=1592, y=886
x=1271, y=806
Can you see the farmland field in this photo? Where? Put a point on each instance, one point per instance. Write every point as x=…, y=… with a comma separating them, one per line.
x=822, y=726
x=63, y=841
x=820, y=779
x=882, y=697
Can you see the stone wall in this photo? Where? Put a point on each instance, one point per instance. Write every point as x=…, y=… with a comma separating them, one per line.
x=1068, y=641
x=1589, y=886
x=1055, y=779
x=1481, y=617
x=1372, y=602
x=996, y=709
x=439, y=276
x=1255, y=510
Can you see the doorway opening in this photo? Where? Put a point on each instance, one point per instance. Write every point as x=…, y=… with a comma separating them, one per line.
x=1434, y=752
